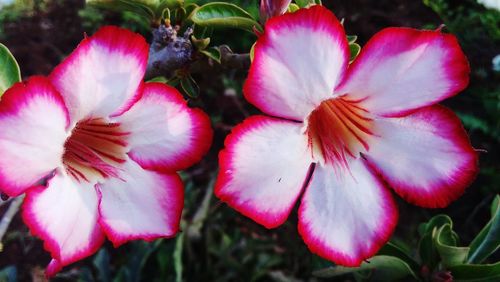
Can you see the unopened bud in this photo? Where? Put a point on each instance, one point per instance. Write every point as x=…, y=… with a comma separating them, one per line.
x=272, y=8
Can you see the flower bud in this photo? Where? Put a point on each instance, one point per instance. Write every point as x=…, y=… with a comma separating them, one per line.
x=272, y=8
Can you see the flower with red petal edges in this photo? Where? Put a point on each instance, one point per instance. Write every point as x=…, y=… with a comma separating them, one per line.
x=347, y=133
x=107, y=145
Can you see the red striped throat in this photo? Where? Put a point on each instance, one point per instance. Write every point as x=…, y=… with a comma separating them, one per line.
x=95, y=150
x=337, y=129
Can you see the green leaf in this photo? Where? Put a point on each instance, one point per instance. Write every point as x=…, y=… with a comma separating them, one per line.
x=9, y=69
x=224, y=15
x=252, y=52
x=292, y=8
x=200, y=44
x=429, y=255
x=352, y=38
x=379, y=268
x=354, y=49
x=488, y=240
x=160, y=79
x=213, y=53
x=177, y=256
x=446, y=245
x=437, y=221
x=146, y=9
x=391, y=249
x=190, y=86
x=101, y=263
x=306, y=3
x=476, y=272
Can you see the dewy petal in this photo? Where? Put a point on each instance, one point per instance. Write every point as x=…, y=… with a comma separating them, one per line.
x=165, y=134
x=263, y=169
x=346, y=216
x=141, y=205
x=426, y=156
x=403, y=69
x=103, y=75
x=64, y=215
x=298, y=61
x=33, y=123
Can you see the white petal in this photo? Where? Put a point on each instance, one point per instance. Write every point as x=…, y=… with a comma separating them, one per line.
x=33, y=123
x=102, y=76
x=141, y=205
x=263, y=169
x=426, y=156
x=299, y=60
x=64, y=215
x=346, y=216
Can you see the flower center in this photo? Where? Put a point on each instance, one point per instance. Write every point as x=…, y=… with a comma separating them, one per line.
x=95, y=150
x=338, y=128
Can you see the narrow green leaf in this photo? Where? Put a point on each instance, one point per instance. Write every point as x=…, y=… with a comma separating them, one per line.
x=177, y=256
x=225, y=15
x=380, y=268
x=446, y=245
x=476, y=272
x=488, y=240
x=213, y=53
x=9, y=69
x=190, y=86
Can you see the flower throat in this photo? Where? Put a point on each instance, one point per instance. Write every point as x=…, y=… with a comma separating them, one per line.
x=95, y=150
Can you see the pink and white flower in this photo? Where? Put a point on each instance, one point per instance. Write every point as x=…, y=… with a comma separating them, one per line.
x=107, y=144
x=345, y=133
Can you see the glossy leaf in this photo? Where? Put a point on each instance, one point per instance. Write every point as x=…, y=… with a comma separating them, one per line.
x=9, y=69
x=378, y=268
x=476, y=272
x=220, y=14
x=446, y=245
x=488, y=240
